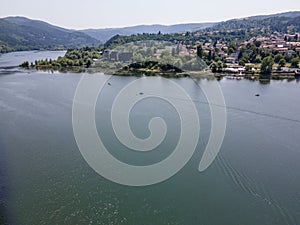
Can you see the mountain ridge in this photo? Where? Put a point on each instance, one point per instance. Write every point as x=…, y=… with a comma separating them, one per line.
x=103, y=34
x=21, y=33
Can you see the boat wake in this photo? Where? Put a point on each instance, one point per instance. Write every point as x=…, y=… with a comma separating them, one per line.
x=255, y=189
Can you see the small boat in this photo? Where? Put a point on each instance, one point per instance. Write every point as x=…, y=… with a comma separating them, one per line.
x=297, y=73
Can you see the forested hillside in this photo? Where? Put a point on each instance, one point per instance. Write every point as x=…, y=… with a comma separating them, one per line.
x=19, y=33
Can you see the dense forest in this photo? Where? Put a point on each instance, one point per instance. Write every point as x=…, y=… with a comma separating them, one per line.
x=233, y=30
x=252, y=27
x=19, y=33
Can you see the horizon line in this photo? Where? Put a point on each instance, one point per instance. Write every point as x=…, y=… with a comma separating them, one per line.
x=149, y=24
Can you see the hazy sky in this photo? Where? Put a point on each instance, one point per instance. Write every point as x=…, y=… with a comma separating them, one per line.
x=79, y=14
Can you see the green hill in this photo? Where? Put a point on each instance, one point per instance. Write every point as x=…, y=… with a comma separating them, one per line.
x=19, y=33
x=284, y=22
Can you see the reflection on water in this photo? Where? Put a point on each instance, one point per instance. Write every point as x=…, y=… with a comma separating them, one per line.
x=44, y=179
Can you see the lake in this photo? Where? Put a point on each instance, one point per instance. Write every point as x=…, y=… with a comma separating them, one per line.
x=44, y=178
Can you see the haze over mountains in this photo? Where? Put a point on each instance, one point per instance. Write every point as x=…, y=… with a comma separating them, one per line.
x=291, y=14
x=105, y=34
x=20, y=33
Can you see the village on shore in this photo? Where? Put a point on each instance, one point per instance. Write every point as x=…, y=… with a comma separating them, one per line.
x=246, y=58
x=276, y=55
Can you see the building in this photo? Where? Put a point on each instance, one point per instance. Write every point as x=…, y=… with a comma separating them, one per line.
x=117, y=56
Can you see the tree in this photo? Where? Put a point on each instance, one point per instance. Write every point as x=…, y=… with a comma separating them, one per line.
x=173, y=51
x=214, y=67
x=25, y=64
x=242, y=52
x=249, y=69
x=295, y=62
x=230, y=51
x=242, y=62
x=211, y=56
x=257, y=43
x=257, y=59
x=88, y=63
x=177, y=49
x=281, y=63
x=199, y=51
x=278, y=57
x=165, y=53
x=266, y=65
x=219, y=66
x=138, y=57
x=232, y=46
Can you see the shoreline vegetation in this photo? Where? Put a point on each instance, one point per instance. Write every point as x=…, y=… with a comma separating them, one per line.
x=238, y=48
x=91, y=60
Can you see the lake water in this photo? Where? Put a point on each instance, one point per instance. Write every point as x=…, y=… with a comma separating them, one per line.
x=255, y=178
